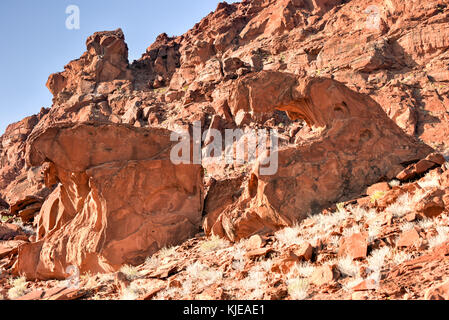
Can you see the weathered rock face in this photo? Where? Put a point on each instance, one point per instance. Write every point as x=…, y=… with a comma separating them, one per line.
x=95, y=86
x=18, y=185
x=395, y=51
x=355, y=146
x=159, y=62
x=119, y=198
x=221, y=194
x=246, y=65
x=258, y=93
x=106, y=59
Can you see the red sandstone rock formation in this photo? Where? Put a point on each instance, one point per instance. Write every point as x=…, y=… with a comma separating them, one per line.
x=119, y=198
x=355, y=146
x=333, y=77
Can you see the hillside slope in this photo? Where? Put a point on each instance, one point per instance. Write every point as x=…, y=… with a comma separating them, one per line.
x=357, y=92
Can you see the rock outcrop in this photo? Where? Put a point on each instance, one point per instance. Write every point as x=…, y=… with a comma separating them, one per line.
x=118, y=199
x=350, y=87
x=354, y=146
x=21, y=189
x=105, y=60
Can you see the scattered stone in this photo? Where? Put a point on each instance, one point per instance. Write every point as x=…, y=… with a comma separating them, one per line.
x=432, y=204
x=355, y=246
x=8, y=231
x=433, y=160
x=165, y=271
x=378, y=187
x=365, y=285
x=303, y=253
x=409, y=238
x=152, y=293
x=438, y=292
x=58, y=293
x=255, y=242
x=359, y=295
x=324, y=275
x=258, y=253
x=410, y=217
x=9, y=247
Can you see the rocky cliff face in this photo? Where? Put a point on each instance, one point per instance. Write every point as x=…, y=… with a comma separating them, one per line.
x=357, y=91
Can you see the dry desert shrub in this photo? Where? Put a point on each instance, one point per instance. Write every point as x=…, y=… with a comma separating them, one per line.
x=347, y=267
x=298, y=288
x=214, y=244
x=401, y=207
x=289, y=236
x=132, y=292
x=440, y=238
x=131, y=272
x=19, y=288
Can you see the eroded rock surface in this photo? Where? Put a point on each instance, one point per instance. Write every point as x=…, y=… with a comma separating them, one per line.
x=119, y=199
x=355, y=145
x=312, y=70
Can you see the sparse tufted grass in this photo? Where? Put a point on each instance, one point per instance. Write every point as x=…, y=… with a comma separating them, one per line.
x=132, y=292
x=401, y=257
x=131, y=273
x=401, y=207
x=377, y=258
x=213, y=244
x=302, y=269
x=289, y=236
x=431, y=180
x=347, y=267
x=440, y=238
x=19, y=288
x=298, y=288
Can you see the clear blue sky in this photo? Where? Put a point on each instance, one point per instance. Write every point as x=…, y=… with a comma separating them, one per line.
x=36, y=42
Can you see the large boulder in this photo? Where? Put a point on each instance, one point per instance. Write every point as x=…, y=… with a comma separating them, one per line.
x=354, y=145
x=119, y=198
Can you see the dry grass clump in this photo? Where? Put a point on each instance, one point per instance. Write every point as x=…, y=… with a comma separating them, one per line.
x=431, y=180
x=298, y=288
x=256, y=283
x=289, y=236
x=167, y=252
x=401, y=257
x=377, y=258
x=374, y=230
x=440, y=238
x=238, y=259
x=131, y=273
x=19, y=288
x=350, y=231
x=426, y=223
x=360, y=213
x=407, y=226
x=401, y=207
x=303, y=269
x=214, y=244
x=394, y=183
x=347, y=267
x=152, y=262
x=132, y=292
x=93, y=281
x=198, y=276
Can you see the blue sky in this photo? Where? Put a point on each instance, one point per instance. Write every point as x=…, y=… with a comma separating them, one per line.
x=36, y=42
